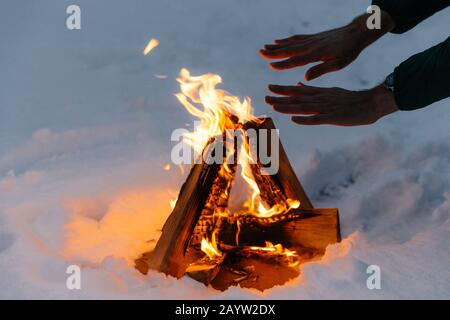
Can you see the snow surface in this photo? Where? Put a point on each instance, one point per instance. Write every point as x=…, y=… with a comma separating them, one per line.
x=85, y=131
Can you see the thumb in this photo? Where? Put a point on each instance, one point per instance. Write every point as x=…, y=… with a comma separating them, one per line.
x=320, y=69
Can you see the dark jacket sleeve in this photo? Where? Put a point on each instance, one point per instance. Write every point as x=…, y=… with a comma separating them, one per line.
x=408, y=13
x=424, y=78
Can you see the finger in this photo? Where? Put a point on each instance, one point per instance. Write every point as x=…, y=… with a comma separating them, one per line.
x=284, y=90
x=306, y=109
x=293, y=62
x=320, y=69
x=292, y=100
x=278, y=54
x=273, y=46
x=332, y=119
x=318, y=119
x=296, y=90
x=292, y=38
x=284, y=52
x=276, y=46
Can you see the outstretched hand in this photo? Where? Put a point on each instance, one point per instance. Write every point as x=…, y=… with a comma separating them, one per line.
x=314, y=106
x=335, y=48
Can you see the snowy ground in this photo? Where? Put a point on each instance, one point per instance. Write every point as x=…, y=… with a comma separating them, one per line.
x=85, y=131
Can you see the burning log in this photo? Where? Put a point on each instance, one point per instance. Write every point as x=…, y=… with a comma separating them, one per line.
x=314, y=229
x=285, y=178
x=169, y=255
x=205, y=193
x=203, y=269
x=277, y=228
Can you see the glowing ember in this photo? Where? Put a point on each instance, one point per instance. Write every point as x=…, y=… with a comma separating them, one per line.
x=277, y=249
x=152, y=44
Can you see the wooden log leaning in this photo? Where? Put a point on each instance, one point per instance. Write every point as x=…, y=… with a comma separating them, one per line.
x=285, y=177
x=169, y=255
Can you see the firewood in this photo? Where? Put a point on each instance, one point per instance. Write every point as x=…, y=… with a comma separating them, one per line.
x=203, y=273
x=203, y=269
x=194, y=218
x=314, y=229
x=199, y=196
x=169, y=254
x=285, y=178
x=217, y=201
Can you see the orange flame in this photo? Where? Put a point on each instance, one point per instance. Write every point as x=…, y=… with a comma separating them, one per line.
x=211, y=106
x=210, y=248
x=278, y=249
x=214, y=109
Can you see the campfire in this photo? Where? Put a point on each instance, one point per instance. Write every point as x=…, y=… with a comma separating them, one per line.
x=244, y=220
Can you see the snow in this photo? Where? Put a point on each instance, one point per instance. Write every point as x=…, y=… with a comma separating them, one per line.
x=85, y=132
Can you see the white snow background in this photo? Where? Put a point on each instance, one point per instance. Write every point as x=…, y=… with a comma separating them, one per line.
x=85, y=131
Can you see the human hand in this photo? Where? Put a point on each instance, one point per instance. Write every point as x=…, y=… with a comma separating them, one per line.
x=334, y=106
x=335, y=48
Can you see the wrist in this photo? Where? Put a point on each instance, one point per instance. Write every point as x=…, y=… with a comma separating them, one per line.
x=382, y=101
x=387, y=23
x=365, y=36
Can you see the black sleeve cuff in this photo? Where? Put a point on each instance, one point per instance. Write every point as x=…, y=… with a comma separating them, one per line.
x=408, y=13
x=424, y=78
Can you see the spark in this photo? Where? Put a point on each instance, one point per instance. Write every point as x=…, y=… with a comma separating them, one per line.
x=153, y=43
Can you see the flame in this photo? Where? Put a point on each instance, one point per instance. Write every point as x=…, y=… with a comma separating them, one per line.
x=173, y=203
x=255, y=204
x=278, y=249
x=211, y=106
x=217, y=110
x=152, y=44
x=210, y=248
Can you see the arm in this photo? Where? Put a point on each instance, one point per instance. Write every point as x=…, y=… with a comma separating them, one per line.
x=339, y=47
x=408, y=13
x=424, y=78
x=336, y=106
x=418, y=82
